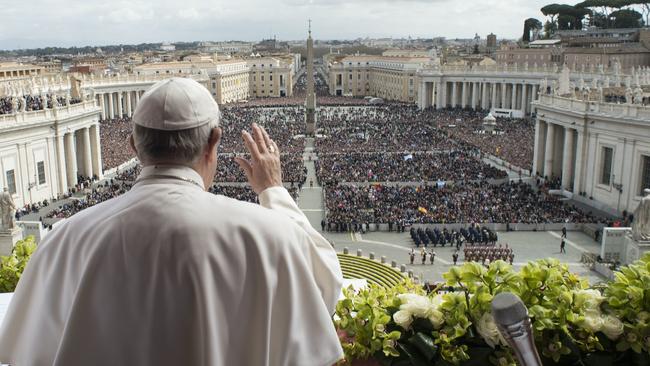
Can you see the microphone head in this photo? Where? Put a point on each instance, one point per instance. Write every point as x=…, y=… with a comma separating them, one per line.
x=508, y=309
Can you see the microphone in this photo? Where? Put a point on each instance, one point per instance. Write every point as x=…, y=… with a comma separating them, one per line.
x=511, y=316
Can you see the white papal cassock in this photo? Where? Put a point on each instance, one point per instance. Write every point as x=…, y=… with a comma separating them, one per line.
x=168, y=274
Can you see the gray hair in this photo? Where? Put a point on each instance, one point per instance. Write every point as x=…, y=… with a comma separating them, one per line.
x=180, y=147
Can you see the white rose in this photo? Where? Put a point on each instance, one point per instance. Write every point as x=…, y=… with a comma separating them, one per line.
x=593, y=321
x=487, y=328
x=403, y=318
x=612, y=327
x=419, y=306
x=423, y=307
x=591, y=298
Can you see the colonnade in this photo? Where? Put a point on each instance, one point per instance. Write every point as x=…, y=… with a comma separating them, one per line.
x=558, y=153
x=118, y=104
x=79, y=155
x=478, y=95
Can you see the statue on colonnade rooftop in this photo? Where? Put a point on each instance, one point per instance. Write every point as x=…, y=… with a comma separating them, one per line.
x=641, y=224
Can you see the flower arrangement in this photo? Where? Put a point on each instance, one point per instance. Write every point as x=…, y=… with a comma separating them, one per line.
x=12, y=266
x=573, y=323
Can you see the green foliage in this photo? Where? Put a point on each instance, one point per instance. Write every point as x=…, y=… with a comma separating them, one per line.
x=12, y=266
x=626, y=18
x=530, y=25
x=573, y=324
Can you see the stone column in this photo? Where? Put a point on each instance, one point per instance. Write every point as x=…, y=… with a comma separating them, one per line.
x=540, y=145
x=421, y=95
x=475, y=87
x=102, y=105
x=454, y=94
x=535, y=87
x=578, y=169
x=493, y=100
x=71, y=159
x=513, y=97
x=129, y=111
x=111, y=107
x=549, y=150
x=96, y=150
x=463, y=95
x=62, y=172
x=524, y=98
x=120, y=110
x=567, y=159
x=137, y=99
x=503, y=95
x=440, y=87
x=87, y=154
x=484, y=101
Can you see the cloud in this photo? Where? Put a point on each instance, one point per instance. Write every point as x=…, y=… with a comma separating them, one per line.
x=97, y=22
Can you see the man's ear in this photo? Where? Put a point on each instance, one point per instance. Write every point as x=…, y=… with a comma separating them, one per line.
x=132, y=144
x=213, y=142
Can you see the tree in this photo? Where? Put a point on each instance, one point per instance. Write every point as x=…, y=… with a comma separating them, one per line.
x=549, y=29
x=645, y=7
x=565, y=16
x=626, y=18
x=530, y=24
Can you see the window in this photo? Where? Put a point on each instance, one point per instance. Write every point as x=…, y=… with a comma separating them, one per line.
x=40, y=167
x=11, y=181
x=607, y=155
x=270, y=77
x=645, y=174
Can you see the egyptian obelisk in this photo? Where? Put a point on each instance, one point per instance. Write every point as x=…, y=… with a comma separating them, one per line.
x=310, y=103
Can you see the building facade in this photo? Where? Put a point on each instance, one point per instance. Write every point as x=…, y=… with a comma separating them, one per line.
x=271, y=77
x=10, y=70
x=390, y=78
x=600, y=151
x=42, y=153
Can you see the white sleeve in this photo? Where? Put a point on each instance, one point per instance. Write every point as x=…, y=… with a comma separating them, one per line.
x=325, y=264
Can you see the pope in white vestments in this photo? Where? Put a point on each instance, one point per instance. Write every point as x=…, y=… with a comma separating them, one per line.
x=169, y=274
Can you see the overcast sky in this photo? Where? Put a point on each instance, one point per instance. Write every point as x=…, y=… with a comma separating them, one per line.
x=33, y=23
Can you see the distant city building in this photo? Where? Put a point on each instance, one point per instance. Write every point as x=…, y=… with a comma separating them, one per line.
x=390, y=78
x=271, y=76
x=94, y=65
x=51, y=67
x=583, y=49
x=167, y=47
x=405, y=53
x=491, y=43
x=228, y=79
x=227, y=47
x=19, y=70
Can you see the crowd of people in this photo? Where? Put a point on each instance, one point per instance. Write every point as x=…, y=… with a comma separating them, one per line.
x=281, y=123
x=114, y=136
x=403, y=167
x=387, y=128
x=27, y=103
x=124, y=181
x=479, y=202
x=512, y=141
x=293, y=169
x=284, y=124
